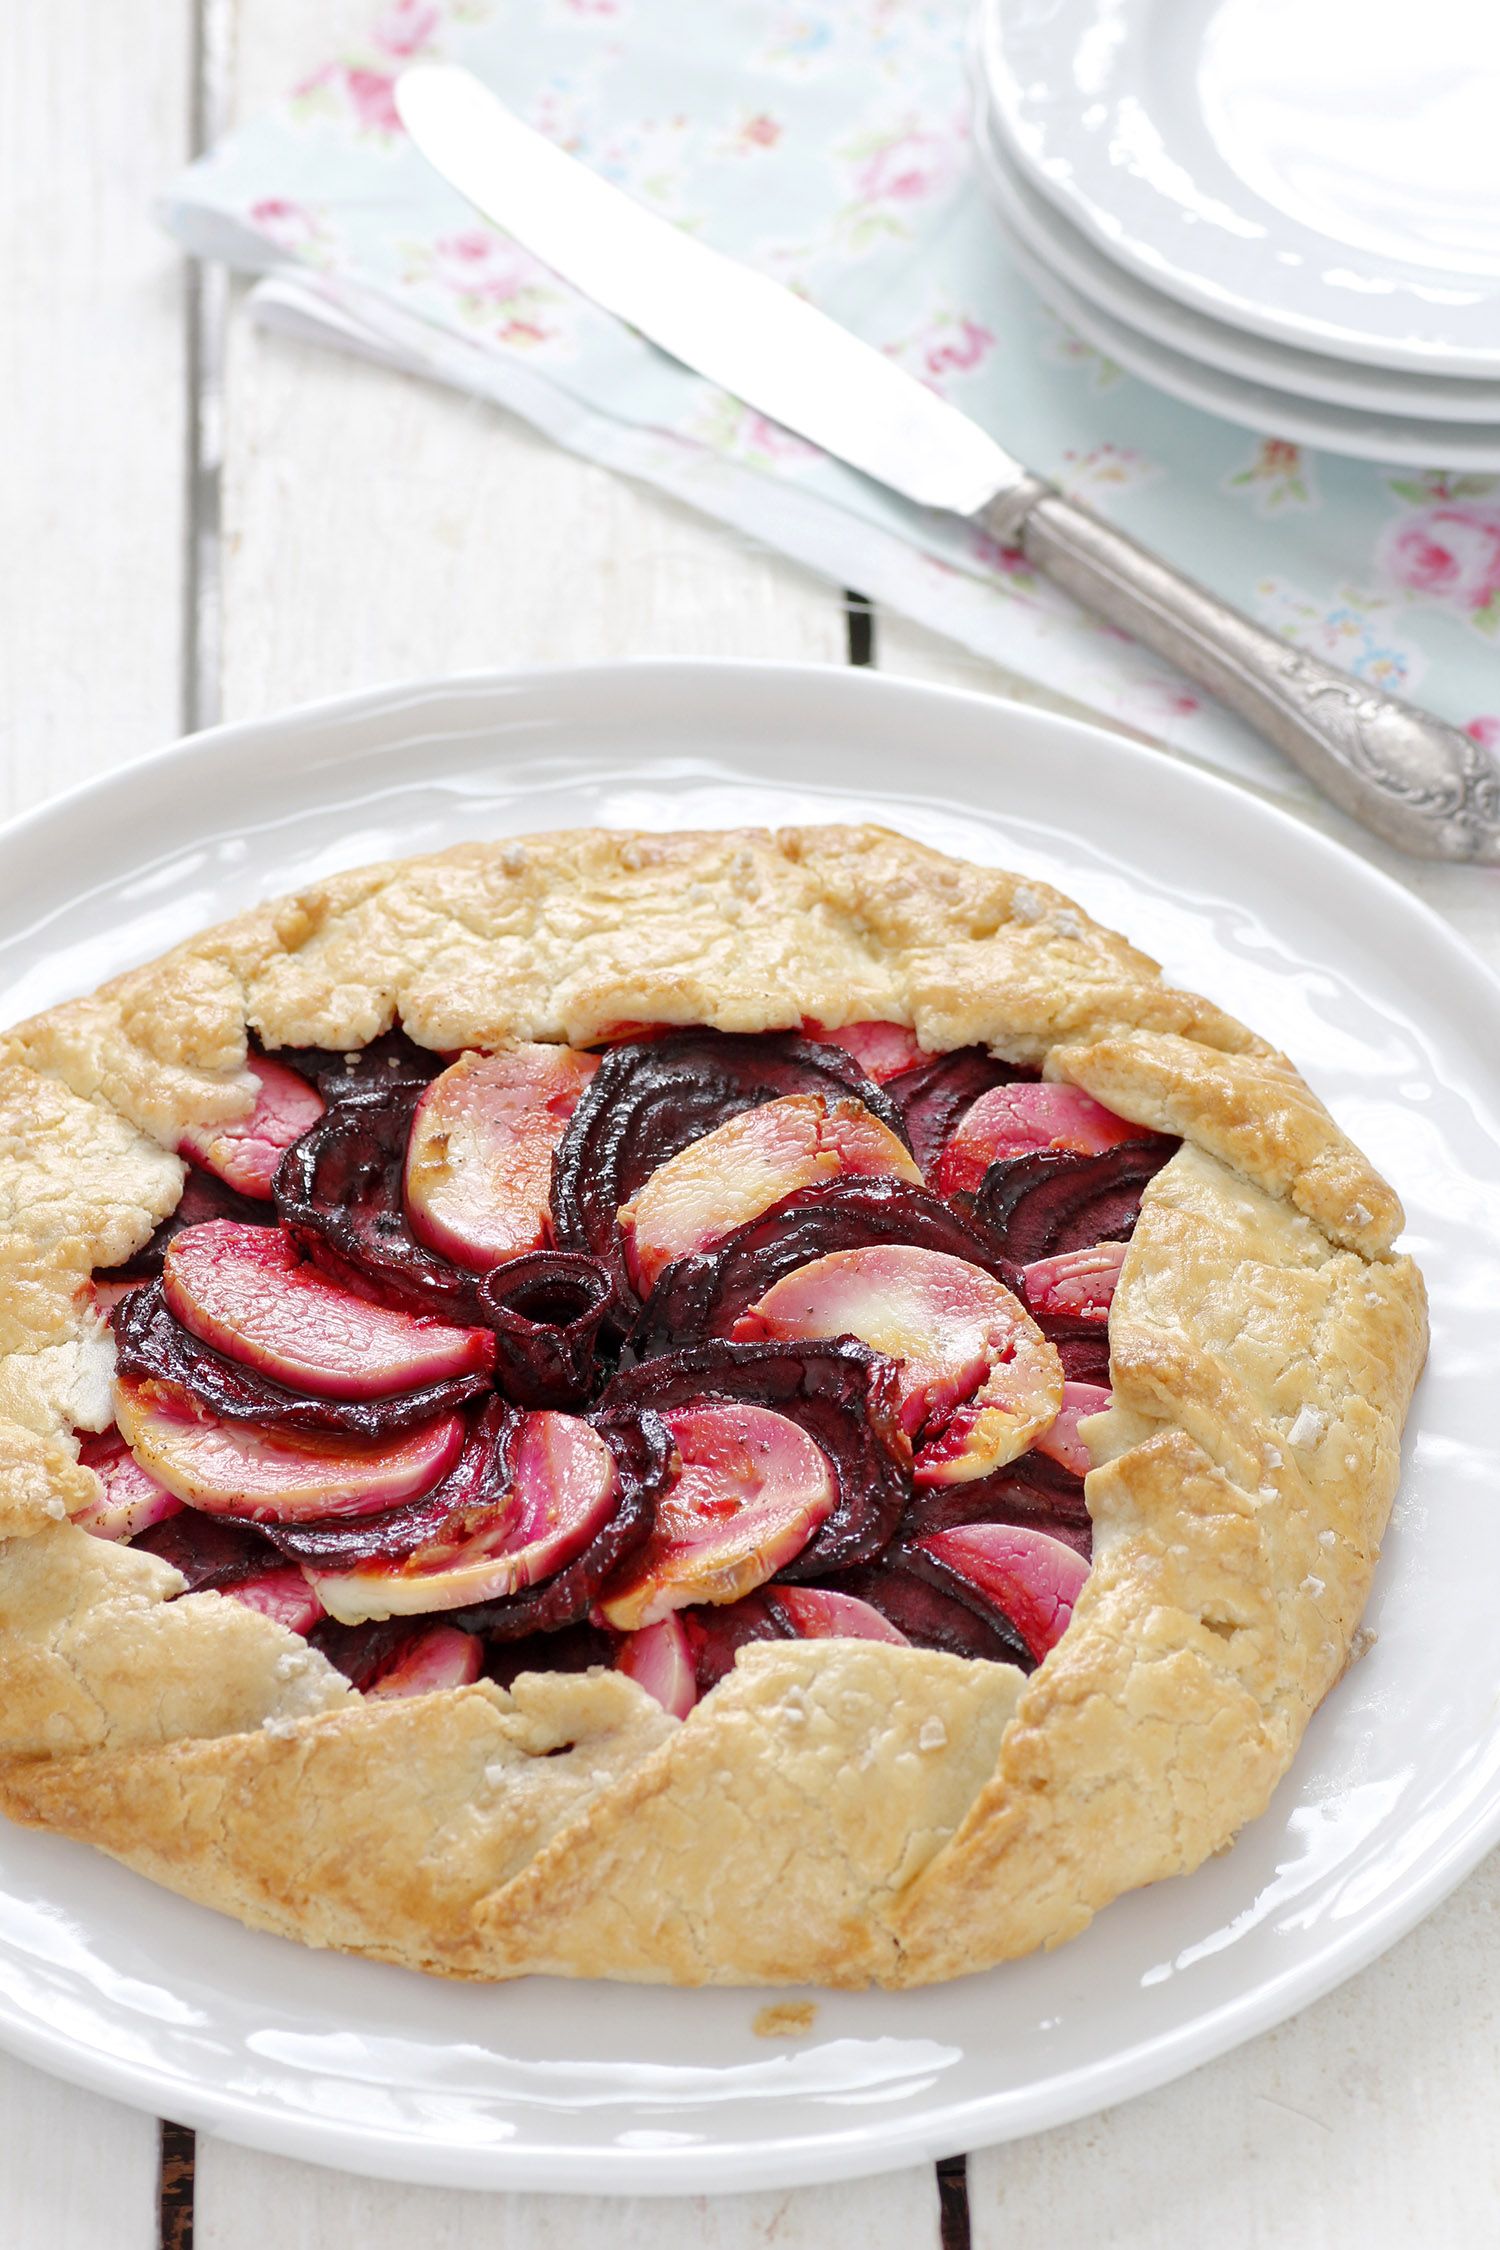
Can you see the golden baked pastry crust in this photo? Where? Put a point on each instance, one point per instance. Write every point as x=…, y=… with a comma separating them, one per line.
x=834, y=1812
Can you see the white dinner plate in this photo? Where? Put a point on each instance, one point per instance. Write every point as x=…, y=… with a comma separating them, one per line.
x=1398, y=439
x=1042, y=228
x=1396, y=1791
x=1322, y=171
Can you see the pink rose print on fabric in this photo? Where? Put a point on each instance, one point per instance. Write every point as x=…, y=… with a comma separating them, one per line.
x=407, y=29
x=367, y=96
x=964, y=348
x=1448, y=553
x=492, y=282
x=909, y=169
x=1485, y=730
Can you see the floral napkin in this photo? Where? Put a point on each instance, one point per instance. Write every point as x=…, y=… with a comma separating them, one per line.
x=826, y=141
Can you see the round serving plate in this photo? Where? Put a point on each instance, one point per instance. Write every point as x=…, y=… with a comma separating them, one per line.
x=1396, y=1791
x=1402, y=441
x=1320, y=171
x=1043, y=229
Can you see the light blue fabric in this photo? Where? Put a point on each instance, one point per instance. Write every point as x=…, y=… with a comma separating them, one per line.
x=828, y=145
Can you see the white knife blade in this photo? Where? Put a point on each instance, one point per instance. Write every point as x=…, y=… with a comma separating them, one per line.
x=741, y=330
x=1422, y=784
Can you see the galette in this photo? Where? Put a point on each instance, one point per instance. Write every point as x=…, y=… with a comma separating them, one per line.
x=733, y=1407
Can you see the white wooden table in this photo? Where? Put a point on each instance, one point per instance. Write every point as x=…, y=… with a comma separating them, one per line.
x=197, y=522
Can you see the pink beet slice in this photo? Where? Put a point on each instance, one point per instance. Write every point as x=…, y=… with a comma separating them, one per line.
x=246, y=1151
x=976, y=1378
x=479, y=1161
x=1016, y=1119
x=882, y=1050
x=820, y=1615
x=245, y=1291
x=751, y=1491
x=282, y=1594
x=751, y=1161
x=563, y=1490
x=1077, y=1284
x=659, y=1660
x=1062, y=1442
x=131, y=1501
x=1032, y=1577
x=440, y=1658
x=227, y=1469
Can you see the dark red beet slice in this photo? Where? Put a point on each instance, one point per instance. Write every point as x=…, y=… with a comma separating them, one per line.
x=363, y=1652
x=204, y=1196
x=149, y=1342
x=389, y=1061
x=935, y=1607
x=474, y=1486
x=1051, y=1201
x=704, y=1295
x=716, y=1636
x=1032, y=1491
x=1082, y=1346
x=547, y=1311
x=934, y=1096
x=339, y=1193
x=575, y=1648
x=211, y=1552
x=844, y=1397
x=644, y=1457
x=650, y=1098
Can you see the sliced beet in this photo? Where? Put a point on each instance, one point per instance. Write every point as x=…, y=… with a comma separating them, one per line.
x=716, y=1636
x=1032, y=1490
x=935, y=1607
x=150, y=1343
x=210, y=1552
x=1032, y=1579
x=1053, y=1200
x=1081, y=1345
x=548, y=1311
x=844, y=1397
x=704, y=1295
x=391, y=1060
x=1015, y=1120
x=363, y=1652
x=339, y=1193
x=574, y=1648
x=644, y=1458
x=933, y=1096
x=473, y=1488
x=204, y=1197
x=650, y=1098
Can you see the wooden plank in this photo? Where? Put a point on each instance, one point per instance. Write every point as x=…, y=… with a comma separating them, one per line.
x=94, y=119
x=246, y=2201
x=377, y=526
x=94, y=114
x=77, y=2172
x=1367, y=2123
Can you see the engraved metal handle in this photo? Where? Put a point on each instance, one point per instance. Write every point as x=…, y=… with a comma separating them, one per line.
x=1417, y=782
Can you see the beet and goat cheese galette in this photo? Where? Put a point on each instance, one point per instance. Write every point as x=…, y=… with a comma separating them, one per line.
x=721, y=1408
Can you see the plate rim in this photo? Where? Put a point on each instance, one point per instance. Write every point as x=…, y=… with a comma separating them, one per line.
x=847, y=2153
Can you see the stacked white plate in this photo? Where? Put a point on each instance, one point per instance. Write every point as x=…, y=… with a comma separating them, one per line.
x=1284, y=211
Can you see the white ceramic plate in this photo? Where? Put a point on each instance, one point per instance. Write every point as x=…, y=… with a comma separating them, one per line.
x=1384, y=391
x=1399, y=439
x=1322, y=171
x=1396, y=1792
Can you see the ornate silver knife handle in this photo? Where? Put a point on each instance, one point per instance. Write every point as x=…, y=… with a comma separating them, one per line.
x=1417, y=782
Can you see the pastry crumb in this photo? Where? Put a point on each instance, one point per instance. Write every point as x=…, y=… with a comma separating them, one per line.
x=513, y=859
x=1361, y=1643
x=1328, y=1538
x=56, y=1507
x=1308, y=1427
x=786, y=2019
x=1067, y=923
x=1026, y=904
x=1313, y=1586
x=1359, y=1216
x=933, y=1735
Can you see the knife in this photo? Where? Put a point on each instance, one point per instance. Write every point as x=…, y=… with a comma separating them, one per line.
x=1420, y=784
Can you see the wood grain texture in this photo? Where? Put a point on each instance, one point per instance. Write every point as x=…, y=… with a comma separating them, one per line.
x=1366, y=2123
x=77, y=2172
x=93, y=120
x=246, y=2201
